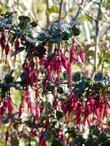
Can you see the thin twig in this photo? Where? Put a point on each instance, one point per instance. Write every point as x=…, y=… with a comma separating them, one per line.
x=90, y=16
x=78, y=10
x=47, y=5
x=96, y=39
x=60, y=9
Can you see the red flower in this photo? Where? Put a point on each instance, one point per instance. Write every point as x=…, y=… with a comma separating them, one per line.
x=73, y=55
x=37, y=90
x=7, y=49
x=29, y=102
x=55, y=103
x=9, y=106
x=69, y=73
x=64, y=60
x=17, y=43
x=38, y=112
x=21, y=107
x=2, y=110
x=64, y=107
x=2, y=41
x=31, y=65
x=78, y=114
x=82, y=56
x=59, y=132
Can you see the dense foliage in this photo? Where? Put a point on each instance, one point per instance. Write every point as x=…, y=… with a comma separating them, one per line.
x=57, y=104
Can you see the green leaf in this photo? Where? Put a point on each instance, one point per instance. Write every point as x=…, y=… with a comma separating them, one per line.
x=103, y=137
x=79, y=140
x=90, y=53
x=71, y=10
x=8, y=78
x=76, y=31
x=20, y=49
x=76, y=76
x=53, y=9
x=57, y=142
x=60, y=90
x=33, y=24
x=56, y=39
x=42, y=36
x=59, y=114
x=99, y=76
x=94, y=131
x=8, y=14
x=65, y=31
x=24, y=20
x=47, y=135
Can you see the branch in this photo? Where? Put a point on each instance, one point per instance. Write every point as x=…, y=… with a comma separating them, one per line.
x=60, y=9
x=47, y=5
x=79, y=10
x=96, y=39
x=81, y=7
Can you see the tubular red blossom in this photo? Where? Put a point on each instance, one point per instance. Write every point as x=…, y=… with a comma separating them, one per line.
x=9, y=106
x=54, y=64
x=30, y=74
x=27, y=77
x=2, y=41
x=41, y=107
x=70, y=104
x=32, y=77
x=39, y=110
x=38, y=113
x=86, y=114
x=51, y=60
x=64, y=60
x=31, y=107
x=5, y=104
x=55, y=103
x=17, y=44
x=49, y=72
x=78, y=114
x=106, y=110
x=21, y=107
x=69, y=73
x=58, y=68
x=33, y=132
x=2, y=110
x=43, y=141
x=43, y=60
x=37, y=90
x=88, y=109
x=73, y=55
x=82, y=56
x=29, y=102
x=7, y=49
x=44, y=82
x=46, y=124
x=25, y=66
x=59, y=132
x=64, y=107
x=101, y=112
x=32, y=64
x=96, y=107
